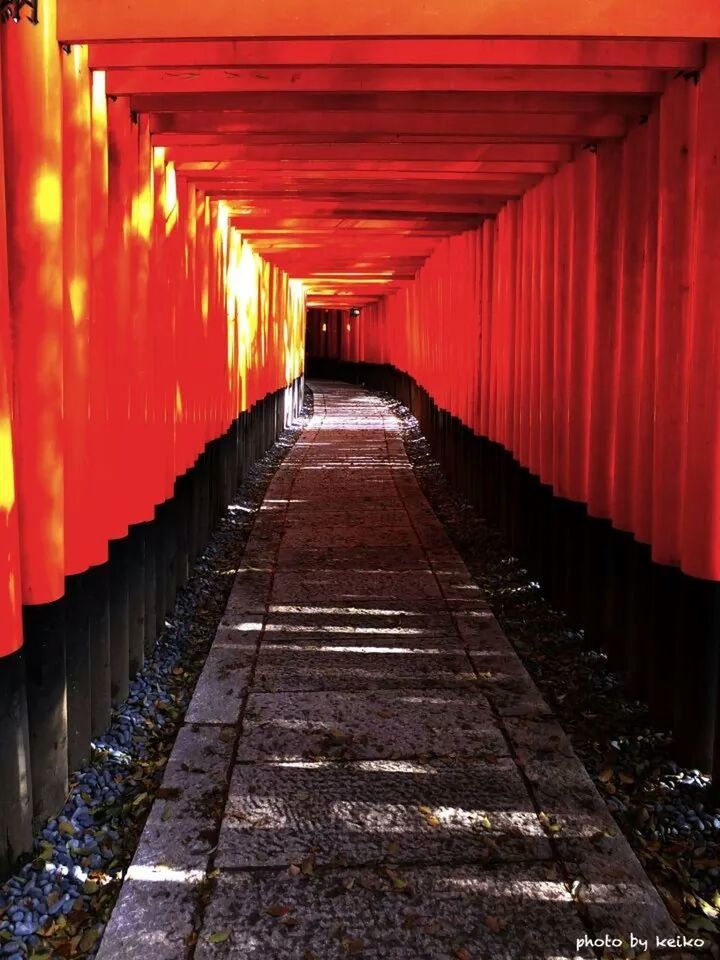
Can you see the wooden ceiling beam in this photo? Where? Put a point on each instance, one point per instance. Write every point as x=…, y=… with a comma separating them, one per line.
x=399, y=103
x=185, y=148
x=340, y=124
x=340, y=79
x=471, y=50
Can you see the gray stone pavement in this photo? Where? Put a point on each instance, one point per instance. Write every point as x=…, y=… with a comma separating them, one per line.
x=366, y=768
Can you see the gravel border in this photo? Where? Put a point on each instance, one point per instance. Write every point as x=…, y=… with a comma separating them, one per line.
x=58, y=902
x=668, y=813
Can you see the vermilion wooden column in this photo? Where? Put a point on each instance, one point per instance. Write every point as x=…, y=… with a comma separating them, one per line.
x=10, y=588
x=32, y=113
x=677, y=146
x=99, y=438
x=15, y=785
x=697, y=703
x=603, y=334
x=79, y=491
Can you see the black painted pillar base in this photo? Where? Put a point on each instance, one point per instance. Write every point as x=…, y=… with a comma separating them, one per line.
x=119, y=620
x=136, y=598
x=15, y=784
x=79, y=682
x=44, y=647
x=97, y=594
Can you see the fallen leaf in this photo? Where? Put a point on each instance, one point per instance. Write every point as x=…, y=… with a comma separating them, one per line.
x=278, y=909
x=356, y=945
x=485, y=821
x=88, y=940
x=294, y=870
x=167, y=812
x=219, y=937
x=393, y=848
x=495, y=924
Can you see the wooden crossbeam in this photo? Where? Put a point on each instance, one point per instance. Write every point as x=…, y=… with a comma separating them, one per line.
x=85, y=20
x=341, y=79
x=433, y=52
x=337, y=124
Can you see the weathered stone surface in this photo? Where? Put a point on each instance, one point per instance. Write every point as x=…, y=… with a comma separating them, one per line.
x=347, y=586
x=379, y=811
x=339, y=557
x=542, y=738
x=224, y=680
x=339, y=666
x=185, y=818
x=373, y=724
x=513, y=912
x=158, y=904
x=153, y=919
x=508, y=686
x=400, y=788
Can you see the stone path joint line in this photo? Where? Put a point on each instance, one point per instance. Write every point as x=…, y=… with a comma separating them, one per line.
x=366, y=767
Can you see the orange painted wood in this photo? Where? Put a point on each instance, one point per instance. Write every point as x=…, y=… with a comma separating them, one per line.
x=33, y=168
x=362, y=79
x=188, y=147
x=677, y=147
x=99, y=439
x=422, y=101
x=83, y=20
x=80, y=539
x=337, y=124
x=700, y=508
x=10, y=589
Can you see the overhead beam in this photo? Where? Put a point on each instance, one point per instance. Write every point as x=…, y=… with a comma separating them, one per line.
x=429, y=52
x=418, y=101
x=136, y=81
x=191, y=147
x=337, y=124
x=85, y=20
x=317, y=169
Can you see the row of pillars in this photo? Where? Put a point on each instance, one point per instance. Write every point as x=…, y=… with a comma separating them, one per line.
x=658, y=626
x=81, y=652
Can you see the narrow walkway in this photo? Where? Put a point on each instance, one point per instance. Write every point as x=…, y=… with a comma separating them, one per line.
x=366, y=768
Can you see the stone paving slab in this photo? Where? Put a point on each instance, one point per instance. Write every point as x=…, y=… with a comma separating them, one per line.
x=397, y=812
x=373, y=724
x=225, y=678
x=513, y=912
x=336, y=666
x=339, y=557
x=367, y=769
x=156, y=913
x=349, y=586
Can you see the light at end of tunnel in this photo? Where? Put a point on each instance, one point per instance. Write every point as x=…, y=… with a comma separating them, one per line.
x=324, y=328
x=170, y=189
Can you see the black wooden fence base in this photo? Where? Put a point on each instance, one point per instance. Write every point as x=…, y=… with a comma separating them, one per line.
x=81, y=652
x=659, y=627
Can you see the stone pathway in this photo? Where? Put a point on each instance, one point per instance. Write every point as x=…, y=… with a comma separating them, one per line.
x=366, y=768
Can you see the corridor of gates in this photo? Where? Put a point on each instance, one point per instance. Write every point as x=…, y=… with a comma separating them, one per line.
x=359, y=479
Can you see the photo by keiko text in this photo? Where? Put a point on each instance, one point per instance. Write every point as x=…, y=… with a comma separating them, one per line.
x=640, y=944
